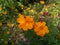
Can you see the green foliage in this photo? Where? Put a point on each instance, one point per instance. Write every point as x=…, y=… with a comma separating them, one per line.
x=10, y=34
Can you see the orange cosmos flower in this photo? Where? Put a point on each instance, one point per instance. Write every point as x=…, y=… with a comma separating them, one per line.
x=25, y=22
x=21, y=19
x=40, y=28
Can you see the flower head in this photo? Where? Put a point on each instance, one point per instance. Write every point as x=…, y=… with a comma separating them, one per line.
x=21, y=19
x=40, y=28
x=25, y=22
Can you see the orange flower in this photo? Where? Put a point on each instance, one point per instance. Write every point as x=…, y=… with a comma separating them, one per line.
x=21, y=19
x=40, y=28
x=25, y=22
